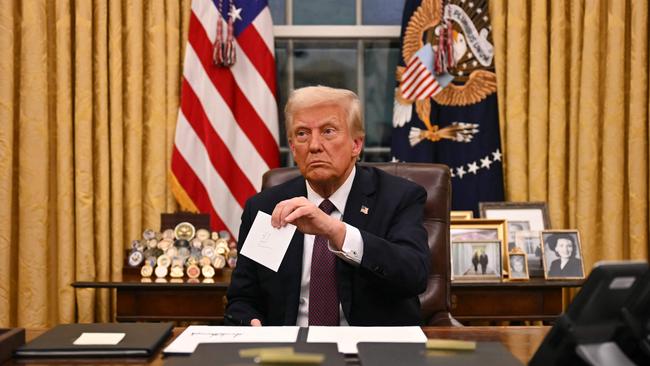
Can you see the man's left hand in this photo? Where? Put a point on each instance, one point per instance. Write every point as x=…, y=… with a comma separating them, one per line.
x=309, y=219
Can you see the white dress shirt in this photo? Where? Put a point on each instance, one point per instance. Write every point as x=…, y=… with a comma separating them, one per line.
x=352, y=246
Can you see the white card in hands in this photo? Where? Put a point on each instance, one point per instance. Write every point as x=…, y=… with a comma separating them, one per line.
x=265, y=244
x=99, y=339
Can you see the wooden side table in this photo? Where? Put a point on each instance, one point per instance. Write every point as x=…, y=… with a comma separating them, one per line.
x=183, y=300
x=536, y=299
x=169, y=299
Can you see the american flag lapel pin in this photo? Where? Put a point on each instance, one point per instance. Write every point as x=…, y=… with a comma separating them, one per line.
x=364, y=210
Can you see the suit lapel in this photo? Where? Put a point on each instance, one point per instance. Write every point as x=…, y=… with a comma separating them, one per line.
x=361, y=203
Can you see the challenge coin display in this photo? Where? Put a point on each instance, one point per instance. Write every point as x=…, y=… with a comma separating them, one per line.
x=183, y=251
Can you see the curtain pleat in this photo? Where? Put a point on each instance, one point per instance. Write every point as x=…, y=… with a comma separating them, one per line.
x=155, y=107
x=558, y=112
x=65, y=196
x=538, y=110
x=119, y=239
x=133, y=116
x=7, y=177
x=516, y=114
x=84, y=157
x=102, y=158
x=638, y=131
x=32, y=149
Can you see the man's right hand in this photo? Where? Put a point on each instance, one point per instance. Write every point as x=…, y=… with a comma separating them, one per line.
x=256, y=323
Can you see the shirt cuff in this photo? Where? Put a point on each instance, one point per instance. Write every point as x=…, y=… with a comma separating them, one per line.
x=352, y=250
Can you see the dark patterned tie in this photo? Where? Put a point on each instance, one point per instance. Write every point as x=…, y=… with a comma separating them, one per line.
x=323, y=293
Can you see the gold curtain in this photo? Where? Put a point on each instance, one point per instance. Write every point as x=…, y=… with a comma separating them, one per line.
x=574, y=106
x=88, y=104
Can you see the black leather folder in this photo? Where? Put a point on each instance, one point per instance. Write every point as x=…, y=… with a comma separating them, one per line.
x=385, y=354
x=140, y=340
x=228, y=354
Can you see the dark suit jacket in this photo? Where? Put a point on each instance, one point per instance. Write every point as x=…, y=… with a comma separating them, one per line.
x=573, y=268
x=382, y=290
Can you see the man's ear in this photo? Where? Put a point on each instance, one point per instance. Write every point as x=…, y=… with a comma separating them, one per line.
x=357, y=146
x=291, y=146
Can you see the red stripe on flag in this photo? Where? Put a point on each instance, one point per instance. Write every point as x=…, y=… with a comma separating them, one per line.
x=223, y=80
x=254, y=47
x=417, y=81
x=219, y=155
x=191, y=183
x=426, y=86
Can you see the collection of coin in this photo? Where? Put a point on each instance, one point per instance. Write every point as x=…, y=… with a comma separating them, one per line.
x=182, y=251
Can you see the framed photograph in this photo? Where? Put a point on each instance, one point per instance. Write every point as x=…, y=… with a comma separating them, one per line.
x=530, y=242
x=517, y=266
x=535, y=213
x=562, y=255
x=478, y=231
x=461, y=215
x=476, y=261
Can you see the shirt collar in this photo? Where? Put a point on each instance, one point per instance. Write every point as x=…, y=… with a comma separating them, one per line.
x=338, y=198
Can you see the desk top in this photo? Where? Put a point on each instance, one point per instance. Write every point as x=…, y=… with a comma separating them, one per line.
x=520, y=341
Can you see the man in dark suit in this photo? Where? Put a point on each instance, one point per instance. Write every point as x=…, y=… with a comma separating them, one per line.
x=359, y=255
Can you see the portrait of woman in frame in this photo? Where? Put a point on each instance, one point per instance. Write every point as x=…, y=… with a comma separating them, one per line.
x=562, y=254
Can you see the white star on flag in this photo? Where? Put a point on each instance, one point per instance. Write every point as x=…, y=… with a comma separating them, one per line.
x=234, y=13
x=472, y=167
x=460, y=171
x=496, y=155
x=486, y=162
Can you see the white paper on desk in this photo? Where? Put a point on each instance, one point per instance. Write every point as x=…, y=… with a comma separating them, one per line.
x=265, y=244
x=99, y=339
x=187, y=341
x=347, y=337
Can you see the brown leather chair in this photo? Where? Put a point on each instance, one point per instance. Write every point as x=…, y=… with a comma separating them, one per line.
x=435, y=178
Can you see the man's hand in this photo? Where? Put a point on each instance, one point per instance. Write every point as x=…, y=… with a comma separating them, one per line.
x=256, y=323
x=309, y=219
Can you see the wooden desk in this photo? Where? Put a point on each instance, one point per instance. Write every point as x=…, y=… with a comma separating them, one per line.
x=168, y=299
x=520, y=341
x=535, y=299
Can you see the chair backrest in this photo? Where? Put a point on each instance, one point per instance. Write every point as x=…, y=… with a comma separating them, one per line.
x=436, y=180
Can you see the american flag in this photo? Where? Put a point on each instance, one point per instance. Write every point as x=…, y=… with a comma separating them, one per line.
x=418, y=81
x=227, y=129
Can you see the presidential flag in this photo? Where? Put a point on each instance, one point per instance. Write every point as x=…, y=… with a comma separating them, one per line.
x=227, y=129
x=457, y=124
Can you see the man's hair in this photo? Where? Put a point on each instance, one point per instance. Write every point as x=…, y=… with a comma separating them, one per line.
x=311, y=96
x=552, y=242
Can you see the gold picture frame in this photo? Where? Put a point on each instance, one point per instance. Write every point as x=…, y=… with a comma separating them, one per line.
x=562, y=260
x=461, y=215
x=518, y=266
x=476, y=261
x=477, y=233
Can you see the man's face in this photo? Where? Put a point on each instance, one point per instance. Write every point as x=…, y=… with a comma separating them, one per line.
x=322, y=145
